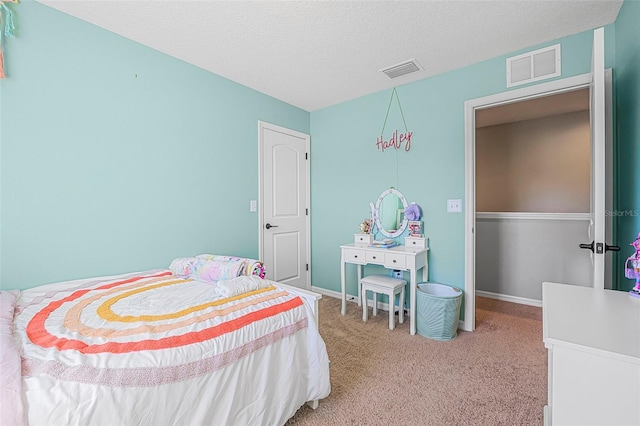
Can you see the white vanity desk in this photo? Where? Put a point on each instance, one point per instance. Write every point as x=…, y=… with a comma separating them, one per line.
x=399, y=257
x=593, y=343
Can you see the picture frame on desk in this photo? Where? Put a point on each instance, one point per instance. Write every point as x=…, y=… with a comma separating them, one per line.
x=415, y=228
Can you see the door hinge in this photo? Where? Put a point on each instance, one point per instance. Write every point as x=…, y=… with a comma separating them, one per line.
x=306, y=155
x=307, y=211
x=307, y=266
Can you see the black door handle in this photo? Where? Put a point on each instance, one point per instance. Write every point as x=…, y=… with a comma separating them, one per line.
x=269, y=226
x=587, y=246
x=607, y=247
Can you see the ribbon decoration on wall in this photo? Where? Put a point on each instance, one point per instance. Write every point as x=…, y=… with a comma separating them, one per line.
x=7, y=28
x=397, y=139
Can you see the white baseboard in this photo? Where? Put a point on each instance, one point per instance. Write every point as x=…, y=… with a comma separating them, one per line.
x=507, y=298
x=330, y=293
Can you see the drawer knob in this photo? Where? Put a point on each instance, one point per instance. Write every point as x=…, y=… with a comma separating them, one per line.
x=356, y=256
x=394, y=261
x=374, y=257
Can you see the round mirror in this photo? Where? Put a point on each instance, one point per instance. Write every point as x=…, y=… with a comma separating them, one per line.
x=389, y=213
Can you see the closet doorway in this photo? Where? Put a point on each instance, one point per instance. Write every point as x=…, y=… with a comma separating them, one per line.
x=518, y=233
x=533, y=175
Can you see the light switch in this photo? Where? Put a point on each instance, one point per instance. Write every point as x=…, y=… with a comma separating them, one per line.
x=253, y=206
x=454, y=206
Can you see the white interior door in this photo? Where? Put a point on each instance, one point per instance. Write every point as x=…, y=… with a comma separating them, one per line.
x=598, y=161
x=284, y=204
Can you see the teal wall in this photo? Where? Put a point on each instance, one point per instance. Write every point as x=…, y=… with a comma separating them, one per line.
x=627, y=85
x=348, y=169
x=115, y=157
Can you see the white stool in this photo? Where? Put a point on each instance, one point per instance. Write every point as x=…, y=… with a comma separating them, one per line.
x=385, y=285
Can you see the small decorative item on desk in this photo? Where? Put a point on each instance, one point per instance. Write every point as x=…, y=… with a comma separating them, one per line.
x=413, y=213
x=415, y=228
x=365, y=237
x=386, y=243
x=365, y=226
x=633, y=272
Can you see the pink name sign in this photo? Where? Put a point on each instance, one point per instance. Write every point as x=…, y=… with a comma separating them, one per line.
x=396, y=141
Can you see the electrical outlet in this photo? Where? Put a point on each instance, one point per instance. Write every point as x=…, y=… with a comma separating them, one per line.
x=397, y=273
x=352, y=298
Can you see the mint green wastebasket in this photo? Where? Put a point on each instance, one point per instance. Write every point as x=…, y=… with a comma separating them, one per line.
x=438, y=310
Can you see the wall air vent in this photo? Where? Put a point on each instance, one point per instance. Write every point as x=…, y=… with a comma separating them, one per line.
x=533, y=66
x=401, y=69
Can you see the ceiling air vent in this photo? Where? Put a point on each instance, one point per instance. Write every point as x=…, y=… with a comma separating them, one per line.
x=401, y=69
x=533, y=66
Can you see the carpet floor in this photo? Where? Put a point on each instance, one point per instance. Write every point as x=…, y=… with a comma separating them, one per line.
x=496, y=375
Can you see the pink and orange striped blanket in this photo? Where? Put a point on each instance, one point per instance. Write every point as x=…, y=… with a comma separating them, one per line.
x=155, y=348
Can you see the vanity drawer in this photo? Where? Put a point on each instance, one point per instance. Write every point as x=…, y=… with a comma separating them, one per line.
x=375, y=257
x=363, y=240
x=354, y=256
x=395, y=261
x=415, y=242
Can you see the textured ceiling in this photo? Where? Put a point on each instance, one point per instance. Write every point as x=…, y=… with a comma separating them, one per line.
x=314, y=54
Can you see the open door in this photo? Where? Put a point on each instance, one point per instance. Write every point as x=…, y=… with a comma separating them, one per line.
x=597, y=228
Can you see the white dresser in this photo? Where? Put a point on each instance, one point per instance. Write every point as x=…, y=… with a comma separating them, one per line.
x=593, y=342
x=399, y=257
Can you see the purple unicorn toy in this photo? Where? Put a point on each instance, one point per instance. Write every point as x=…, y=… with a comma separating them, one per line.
x=633, y=271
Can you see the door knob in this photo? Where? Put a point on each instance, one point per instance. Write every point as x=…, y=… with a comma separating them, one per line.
x=587, y=246
x=269, y=226
x=599, y=247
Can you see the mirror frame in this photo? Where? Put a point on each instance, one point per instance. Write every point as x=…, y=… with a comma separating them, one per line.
x=376, y=214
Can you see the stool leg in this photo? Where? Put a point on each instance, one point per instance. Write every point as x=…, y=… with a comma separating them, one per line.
x=391, y=309
x=401, y=307
x=364, y=304
x=375, y=303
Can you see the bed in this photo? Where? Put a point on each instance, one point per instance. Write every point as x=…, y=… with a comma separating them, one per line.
x=161, y=347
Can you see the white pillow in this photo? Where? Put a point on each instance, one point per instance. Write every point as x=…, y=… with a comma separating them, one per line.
x=239, y=285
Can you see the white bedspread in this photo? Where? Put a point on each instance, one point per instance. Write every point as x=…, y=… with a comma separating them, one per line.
x=153, y=349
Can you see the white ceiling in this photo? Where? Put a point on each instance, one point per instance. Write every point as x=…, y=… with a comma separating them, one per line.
x=314, y=54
